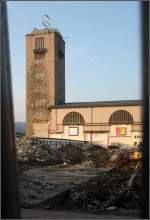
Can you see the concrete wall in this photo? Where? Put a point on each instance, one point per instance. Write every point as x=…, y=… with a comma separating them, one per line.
x=97, y=128
x=124, y=139
x=137, y=138
x=97, y=137
x=80, y=135
x=96, y=115
x=40, y=129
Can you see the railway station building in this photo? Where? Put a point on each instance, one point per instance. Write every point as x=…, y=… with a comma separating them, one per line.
x=49, y=116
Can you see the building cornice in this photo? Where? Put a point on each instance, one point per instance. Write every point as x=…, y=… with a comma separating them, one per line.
x=118, y=103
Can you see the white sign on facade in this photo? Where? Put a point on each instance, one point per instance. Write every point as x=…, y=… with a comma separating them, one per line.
x=73, y=131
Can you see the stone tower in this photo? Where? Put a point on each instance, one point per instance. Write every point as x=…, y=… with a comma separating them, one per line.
x=45, y=75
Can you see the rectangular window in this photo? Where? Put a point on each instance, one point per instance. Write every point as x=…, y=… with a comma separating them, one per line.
x=73, y=131
x=39, y=43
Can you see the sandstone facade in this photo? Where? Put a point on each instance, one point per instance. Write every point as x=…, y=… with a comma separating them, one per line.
x=46, y=107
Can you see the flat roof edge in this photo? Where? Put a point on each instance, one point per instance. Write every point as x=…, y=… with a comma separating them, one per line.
x=98, y=104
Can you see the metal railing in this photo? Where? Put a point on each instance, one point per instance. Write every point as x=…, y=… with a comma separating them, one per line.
x=57, y=143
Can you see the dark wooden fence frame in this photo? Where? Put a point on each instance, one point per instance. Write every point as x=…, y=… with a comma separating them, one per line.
x=10, y=196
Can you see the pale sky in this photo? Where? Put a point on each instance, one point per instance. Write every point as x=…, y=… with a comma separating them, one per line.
x=103, y=48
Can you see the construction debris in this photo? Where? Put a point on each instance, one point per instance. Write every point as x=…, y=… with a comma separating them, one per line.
x=36, y=192
x=33, y=151
x=72, y=154
x=87, y=176
x=108, y=191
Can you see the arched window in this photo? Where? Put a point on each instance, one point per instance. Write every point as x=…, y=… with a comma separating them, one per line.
x=121, y=117
x=73, y=118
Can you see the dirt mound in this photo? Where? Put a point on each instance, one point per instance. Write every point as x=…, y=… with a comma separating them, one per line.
x=112, y=157
x=72, y=154
x=32, y=151
x=106, y=191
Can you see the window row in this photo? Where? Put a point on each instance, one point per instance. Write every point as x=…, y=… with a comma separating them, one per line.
x=137, y=143
x=41, y=113
x=37, y=61
x=39, y=74
x=40, y=101
x=39, y=88
x=117, y=117
x=138, y=136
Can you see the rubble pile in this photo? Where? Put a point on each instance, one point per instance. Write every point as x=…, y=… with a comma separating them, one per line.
x=31, y=187
x=31, y=150
x=99, y=157
x=116, y=185
x=72, y=154
x=109, y=157
x=108, y=191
